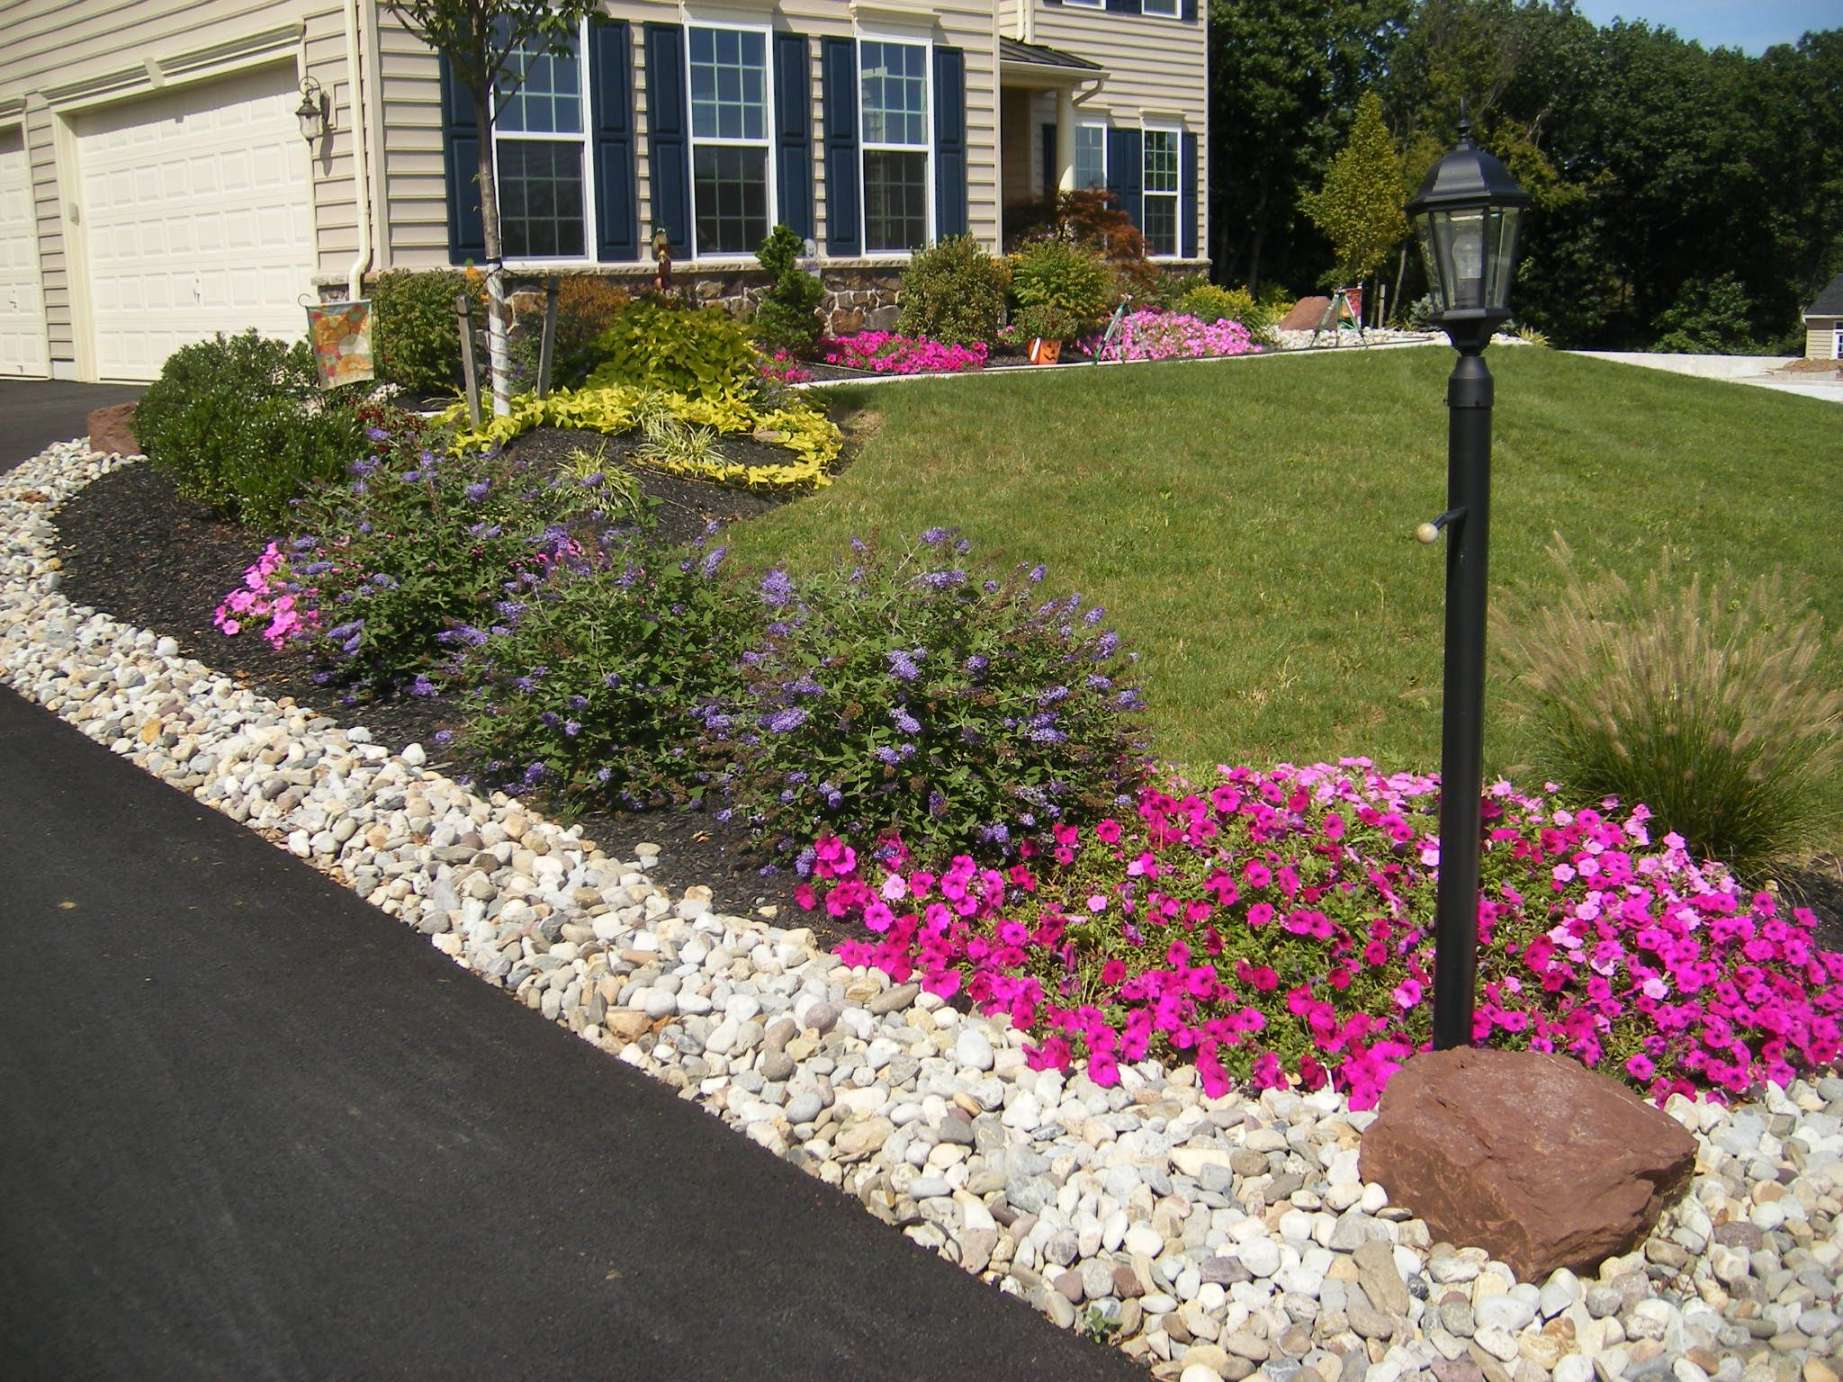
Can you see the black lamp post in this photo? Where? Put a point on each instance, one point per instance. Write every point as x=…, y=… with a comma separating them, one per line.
x=1466, y=216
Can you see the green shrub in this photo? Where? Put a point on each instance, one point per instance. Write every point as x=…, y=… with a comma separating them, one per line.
x=1070, y=277
x=1209, y=302
x=1709, y=317
x=240, y=423
x=903, y=695
x=413, y=557
x=591, y=690
x=788, y=317
x=954, y=292
x=700, y=352
x=415, y=341
x=587, y=305
x=1045, y=323
x=1092, y=218
x=1714, y=706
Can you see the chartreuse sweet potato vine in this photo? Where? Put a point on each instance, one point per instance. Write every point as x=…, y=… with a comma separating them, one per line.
x=798, y=427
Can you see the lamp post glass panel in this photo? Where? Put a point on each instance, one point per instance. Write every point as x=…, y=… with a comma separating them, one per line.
x=1466, y=217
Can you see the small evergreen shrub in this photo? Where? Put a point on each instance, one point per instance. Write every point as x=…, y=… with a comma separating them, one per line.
x=587, y=685
x=240, y=423
x=1210, y=303
x=787, y=318
x=1069, y=277
x=700, y=352
x=1714, y=704
x=954, y=292
x=1091, y=217
x=415, y=341
x=901, y=694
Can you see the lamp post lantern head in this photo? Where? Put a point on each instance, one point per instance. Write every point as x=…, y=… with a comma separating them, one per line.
x=1466, y=216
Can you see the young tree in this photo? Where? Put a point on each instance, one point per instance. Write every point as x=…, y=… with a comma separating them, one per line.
x=478, y=37
x=1360, y=206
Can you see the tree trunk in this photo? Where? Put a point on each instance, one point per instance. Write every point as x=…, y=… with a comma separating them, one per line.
x=1401, y=268
x=496, y=310
x=1255, y=245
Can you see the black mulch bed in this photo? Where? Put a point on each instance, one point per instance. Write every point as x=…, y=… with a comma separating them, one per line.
x=133, y=547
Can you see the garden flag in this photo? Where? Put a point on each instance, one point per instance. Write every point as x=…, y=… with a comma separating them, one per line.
x=341, y=336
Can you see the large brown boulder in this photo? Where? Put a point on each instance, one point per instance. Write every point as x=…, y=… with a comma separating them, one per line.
x=1307, y=313
x=1533, y=1157
x=112, y=430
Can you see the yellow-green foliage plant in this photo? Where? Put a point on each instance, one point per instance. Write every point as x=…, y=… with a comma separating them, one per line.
x=807, y=434
x=1713, y=702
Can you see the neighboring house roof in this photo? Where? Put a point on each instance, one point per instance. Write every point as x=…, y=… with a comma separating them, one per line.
x=1036, y=55
x=1829, y=302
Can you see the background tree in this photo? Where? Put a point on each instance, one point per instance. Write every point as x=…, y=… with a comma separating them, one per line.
x=478, y=37
x=1360, y=206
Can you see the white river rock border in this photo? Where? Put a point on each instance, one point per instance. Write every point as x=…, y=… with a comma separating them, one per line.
x=1209, y=1238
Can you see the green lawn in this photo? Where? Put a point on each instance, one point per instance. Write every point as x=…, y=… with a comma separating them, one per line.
x=1248, y=524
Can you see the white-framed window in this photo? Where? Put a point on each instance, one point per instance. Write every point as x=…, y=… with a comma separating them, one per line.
x=1163, y=9
x=896, y=139
x=1839, y=345
x=1162, y=190
x=1090, y=154
x=543, y=174
x=732, y=123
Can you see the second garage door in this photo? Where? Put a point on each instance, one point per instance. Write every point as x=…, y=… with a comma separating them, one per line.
x=198, y=216
x=22, y=308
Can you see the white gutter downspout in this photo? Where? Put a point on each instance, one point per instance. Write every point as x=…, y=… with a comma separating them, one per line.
x=361, y=184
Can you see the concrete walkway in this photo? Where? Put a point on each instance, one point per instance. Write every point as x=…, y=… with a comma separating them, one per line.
x=1759, y=371
x=255, y=1128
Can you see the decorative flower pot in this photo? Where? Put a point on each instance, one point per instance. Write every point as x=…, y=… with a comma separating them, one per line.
x=1044, y=352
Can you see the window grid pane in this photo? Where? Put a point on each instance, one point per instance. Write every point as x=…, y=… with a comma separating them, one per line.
x=729, y=84
x=540, y=198
x=731, y=186
x=894, y=92
x=1161, y=223
x=1090, y=156
x=1161, y=161
x=540, y=94
x=895, y=200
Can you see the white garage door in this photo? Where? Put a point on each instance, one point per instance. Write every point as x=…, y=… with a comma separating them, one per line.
x=22, y=309
x=196, y=204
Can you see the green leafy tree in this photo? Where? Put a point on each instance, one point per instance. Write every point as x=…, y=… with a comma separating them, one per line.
x=478, y=37
x=1359, y=208
x=1713, y=317
x=1284, y=78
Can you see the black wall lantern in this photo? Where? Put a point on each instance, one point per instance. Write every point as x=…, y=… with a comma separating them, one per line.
x=314, y=112
x=1466, y=215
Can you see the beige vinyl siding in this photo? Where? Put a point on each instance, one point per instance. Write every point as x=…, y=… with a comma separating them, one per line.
x=1821, y=338
x=58, y=44
x=1157, y=69
x=416, y=234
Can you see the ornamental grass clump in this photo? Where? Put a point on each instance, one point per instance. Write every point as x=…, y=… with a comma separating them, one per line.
x=1278, y=926
x=1715, y=703
x=901, y=693
x=586, y=682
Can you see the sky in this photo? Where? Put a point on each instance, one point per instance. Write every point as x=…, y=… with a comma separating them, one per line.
x=1750, y=25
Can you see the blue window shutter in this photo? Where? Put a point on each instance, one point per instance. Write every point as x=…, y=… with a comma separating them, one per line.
x=1190, y=11
x=1188, y=163
x=793, y=133
x=461, y=170
x=668, y=135
x=611, y=100
x=839, y=67
x=1126, y=172
x=949, y=142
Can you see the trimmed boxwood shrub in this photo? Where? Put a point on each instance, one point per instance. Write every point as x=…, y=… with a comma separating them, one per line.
x=414, y=341
x=241, y=424
x=954, y=292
